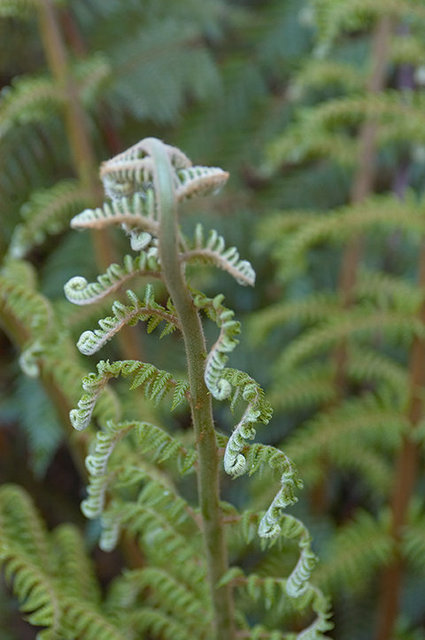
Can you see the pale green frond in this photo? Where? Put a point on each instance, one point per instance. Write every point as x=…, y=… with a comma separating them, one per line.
x=91, y=341
x=155, y=382
x=176, y=599
x=131, y=171
x=134, y=211
x=226, y=342
x=199, y=181
x=81, y=292
x=75, y=572
x=212, y=250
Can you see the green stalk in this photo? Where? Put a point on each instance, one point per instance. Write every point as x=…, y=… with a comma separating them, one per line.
x=201, y=406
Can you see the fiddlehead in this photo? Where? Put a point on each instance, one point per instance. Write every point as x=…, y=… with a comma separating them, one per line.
x=81, y=292
x=145, y=184
x=148, y=309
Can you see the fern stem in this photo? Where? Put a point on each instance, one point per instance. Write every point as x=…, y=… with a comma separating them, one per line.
x=363, y=181
x=406, y=471
x=201, y=406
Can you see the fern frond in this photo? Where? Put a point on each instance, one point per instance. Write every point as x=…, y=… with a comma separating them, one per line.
x=29, y=99
x=134, y=211
x=22, y=302
x=156, y=383
x=34, y=589
x=199, y=181
x=47, y=212
x=332, y=18
x=76, y=575
x=155, y=621
x=213, y=251
x=175, y=598
x=388, y=291
x=89, y=623
x=218, y=386
x=343, y=223
x=350, y=324
x=81, y=292
x=131, y=171
x=304, y=387
x=356, y=551
x=309, y=310
x=329, y=433
x=259, y=455
x=413, y=542
x=21, y=525
x=318, y=74
x=91, y=341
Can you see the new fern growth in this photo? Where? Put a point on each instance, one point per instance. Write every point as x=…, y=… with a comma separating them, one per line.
x=194, y=588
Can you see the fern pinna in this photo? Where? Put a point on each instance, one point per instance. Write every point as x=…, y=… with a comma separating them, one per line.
x=188, y=586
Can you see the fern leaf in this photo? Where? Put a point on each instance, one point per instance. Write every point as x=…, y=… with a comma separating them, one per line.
x=131, y=172
x=175, y=598
x=199, y=181
x=213, y=251
x=357, y=550
x=218, y=386
x=308, y=310
x=156, y=383
x=34, y=589
x=81, y=292
x=47, y=212
x=29, y=99
x=341, y=224
x=135, y=211
x=76, y=575
x=91, y=341
x=350, y=324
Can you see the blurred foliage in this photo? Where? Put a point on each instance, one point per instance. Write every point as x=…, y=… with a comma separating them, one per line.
x=278, y=93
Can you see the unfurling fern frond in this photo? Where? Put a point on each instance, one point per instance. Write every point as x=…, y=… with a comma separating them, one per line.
x=218, y=386
x=213, y=251
x=92, y=341
x=47, y=212
x=199, y=181
x=155, y=382
x=132, y=170
x=81, y=292
x=134, y=211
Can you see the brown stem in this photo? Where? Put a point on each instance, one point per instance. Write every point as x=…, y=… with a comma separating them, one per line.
x=362, y=187
x=363, y=183
x=404, y=479
x=82, y=150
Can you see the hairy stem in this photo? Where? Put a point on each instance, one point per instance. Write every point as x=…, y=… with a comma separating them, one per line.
x=201, y=406
x=405, y=476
